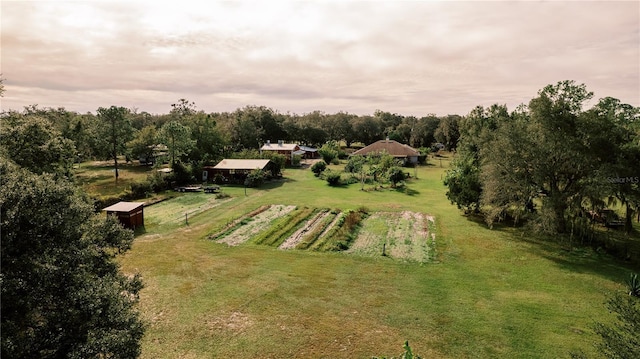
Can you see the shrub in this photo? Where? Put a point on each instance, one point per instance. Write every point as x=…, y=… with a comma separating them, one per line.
x=219, y=179
x=141, y=189
x=332, y=177
x=396, y=175
x=327, y=154
x=255, y=178
x=335, y=161
x=295, y=161
x=318, y=167
x=181, y=174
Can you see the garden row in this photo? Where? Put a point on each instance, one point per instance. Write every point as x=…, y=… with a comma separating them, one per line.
x=402, y=235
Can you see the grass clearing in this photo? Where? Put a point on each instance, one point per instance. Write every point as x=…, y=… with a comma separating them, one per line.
x=98, y=178
x=499, y=293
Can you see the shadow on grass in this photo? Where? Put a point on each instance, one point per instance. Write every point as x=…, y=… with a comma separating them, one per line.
x=578, y=257
x=139, y=231
x=406, y=190
x=588, y=258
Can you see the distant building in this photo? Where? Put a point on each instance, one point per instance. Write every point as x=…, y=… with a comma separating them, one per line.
x=287, y=149
x=407, y=154
x=236, y=170
x=130, y=214
x=309, y=152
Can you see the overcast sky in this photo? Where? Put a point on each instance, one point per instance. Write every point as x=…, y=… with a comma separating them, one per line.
x=406, y=57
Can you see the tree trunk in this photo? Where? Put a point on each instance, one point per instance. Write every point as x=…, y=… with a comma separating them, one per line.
x=115, y=159
x=628, y=225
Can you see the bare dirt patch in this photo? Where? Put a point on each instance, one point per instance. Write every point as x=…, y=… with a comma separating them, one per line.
x=235, y=322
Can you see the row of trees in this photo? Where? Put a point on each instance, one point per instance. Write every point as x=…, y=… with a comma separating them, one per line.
x=191, y=135
x=551, y=161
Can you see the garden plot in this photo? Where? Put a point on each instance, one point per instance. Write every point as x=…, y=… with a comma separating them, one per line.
x=252, y=225
x=308, y=227
x=180, y=208
x=403, y=235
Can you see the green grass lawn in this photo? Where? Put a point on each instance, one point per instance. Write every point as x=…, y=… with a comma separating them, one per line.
x=99, y=179
x=491, y=293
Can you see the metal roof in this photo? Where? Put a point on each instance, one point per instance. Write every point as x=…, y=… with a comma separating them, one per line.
x=124, y=207
x=279, y=147
x=234, y=164
x=308, y=149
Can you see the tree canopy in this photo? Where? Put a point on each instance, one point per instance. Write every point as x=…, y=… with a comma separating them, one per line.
x=549, y=161
x=62, y=293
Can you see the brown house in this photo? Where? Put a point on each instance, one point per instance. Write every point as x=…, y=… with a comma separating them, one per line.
x=286, y=149
x=130, y=214
x=236, y=170
x=396, y=149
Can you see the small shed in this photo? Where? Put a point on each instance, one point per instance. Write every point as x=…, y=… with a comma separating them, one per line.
x=130, y=214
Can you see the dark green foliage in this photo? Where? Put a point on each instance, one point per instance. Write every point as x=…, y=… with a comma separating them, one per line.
x=141, y=189
x=218, y=179
x=33, y=143
x=115, y=131
x=255, y=178
x=142, y=145
x=396, y=175
x=181, y=174
x=295, y=162
x=278, y=159
x=329, y=151
x=620, y=340
x=447, y=132
x=463, y=182
x=332, y=177
x=62, y=293
x=154, y=183
x=318, y=167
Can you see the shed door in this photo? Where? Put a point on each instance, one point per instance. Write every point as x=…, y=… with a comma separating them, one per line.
x=205, y=174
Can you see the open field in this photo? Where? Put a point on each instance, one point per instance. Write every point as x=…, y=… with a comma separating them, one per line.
x=98, y=177
x=491, y=293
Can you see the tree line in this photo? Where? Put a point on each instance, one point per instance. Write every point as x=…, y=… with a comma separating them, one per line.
x=551, y=162
x=192, y=135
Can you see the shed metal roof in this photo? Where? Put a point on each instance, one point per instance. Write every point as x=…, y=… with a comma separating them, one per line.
x=241, y=164
x=279, y=147
x=124, y=207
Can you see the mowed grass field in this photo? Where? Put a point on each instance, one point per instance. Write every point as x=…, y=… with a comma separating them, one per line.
x=490, y=294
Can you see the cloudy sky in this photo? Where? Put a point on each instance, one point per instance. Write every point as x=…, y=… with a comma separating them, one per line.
x=406, y=57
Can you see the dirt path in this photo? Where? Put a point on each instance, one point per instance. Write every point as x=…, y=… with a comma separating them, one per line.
x=256, y=224
x=310, y=225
